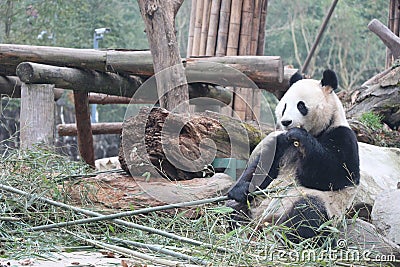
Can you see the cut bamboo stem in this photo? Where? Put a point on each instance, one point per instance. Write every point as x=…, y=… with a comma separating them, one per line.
x=261, y=32
x=191, y=28
x=197, y=28
x=234, y=28
x=213, y=28
x=204, y=27
x=222, y=39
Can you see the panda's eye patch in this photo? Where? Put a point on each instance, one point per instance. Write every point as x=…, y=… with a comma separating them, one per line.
x=302, y=108
x=284, y=109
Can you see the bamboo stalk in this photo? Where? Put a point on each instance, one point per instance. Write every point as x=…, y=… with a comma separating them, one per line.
x=96, y=214
x=261, y=32
x=246, y=27
x=191, y=28
x=197, y=27
x=161, y=249
x=255, y=29
x=234, y=28
x=204, y=27
x=213, y=27
x=223, y=27
x=124, y=251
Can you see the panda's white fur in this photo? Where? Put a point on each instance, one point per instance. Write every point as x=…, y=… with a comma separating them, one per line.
x=312, y=121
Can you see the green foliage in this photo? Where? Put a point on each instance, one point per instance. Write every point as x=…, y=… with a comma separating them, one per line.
x=372, y=120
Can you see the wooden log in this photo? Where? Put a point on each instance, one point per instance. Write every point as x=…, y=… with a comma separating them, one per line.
x=382, y=98
x=387, y=36
x=108, y=83
x=139, y=63
x=70, y=129
x=37, y=115
x=261, y=33
x=204, y=27
x=223, y=27
x=102, y=99
x=159, y=19
x=11, y=87
x=84, y=129
x=79, y=80
x=173, y=146
x=191, y=28
x=263, y=71
x=234, y=28
x=213, y=28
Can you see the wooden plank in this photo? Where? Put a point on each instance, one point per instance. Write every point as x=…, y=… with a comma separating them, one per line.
x=84, y=129
x=223, y=27
x=213, y=28
x=97, y=128
x=37, y=115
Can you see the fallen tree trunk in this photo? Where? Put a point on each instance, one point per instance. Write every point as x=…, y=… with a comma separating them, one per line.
x=382, y=98
x=180, y=147
x=106, y=82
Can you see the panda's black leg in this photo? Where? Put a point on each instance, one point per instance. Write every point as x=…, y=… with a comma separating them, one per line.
x=304, y=220
x=261, y=170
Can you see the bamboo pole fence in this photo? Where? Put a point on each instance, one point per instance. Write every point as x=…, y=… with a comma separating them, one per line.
x=233, y=27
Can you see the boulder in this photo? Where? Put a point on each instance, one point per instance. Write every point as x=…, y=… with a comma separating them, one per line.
x=386, y=214
x=380, y=171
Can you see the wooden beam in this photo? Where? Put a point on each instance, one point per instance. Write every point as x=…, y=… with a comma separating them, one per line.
x=101, y=99
x=84, y=129
x=11, y=87
x=97, y=128
x=37, y=115
x=107, y=83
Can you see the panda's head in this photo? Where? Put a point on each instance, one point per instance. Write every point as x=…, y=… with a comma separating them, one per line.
x=311, y=104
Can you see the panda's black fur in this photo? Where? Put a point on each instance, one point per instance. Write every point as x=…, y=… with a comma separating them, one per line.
x=324, y=157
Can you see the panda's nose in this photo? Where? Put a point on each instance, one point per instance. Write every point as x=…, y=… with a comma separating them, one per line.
x=286, y=122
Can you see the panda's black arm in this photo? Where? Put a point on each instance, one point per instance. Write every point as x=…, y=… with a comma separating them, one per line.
x=329, y=162
x=259, y=172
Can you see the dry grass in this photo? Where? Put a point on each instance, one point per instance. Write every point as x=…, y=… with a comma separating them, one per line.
x=41, y=172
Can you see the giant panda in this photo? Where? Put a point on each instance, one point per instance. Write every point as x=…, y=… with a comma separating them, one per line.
x=314, y=156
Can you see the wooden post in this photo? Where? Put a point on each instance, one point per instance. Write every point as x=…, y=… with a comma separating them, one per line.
x=37, y=115
x=159, y=18
x=213, y=28
x=85, y=137
x=387, y=36
x=223, y=28
x=255, y=27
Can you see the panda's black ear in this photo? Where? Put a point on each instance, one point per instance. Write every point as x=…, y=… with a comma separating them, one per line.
x=329, y=79
x=295, y=77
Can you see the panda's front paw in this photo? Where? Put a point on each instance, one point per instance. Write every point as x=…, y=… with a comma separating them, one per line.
x=239, y=192
x=297, y=136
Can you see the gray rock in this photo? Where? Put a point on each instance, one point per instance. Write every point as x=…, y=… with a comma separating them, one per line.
x=386, y=214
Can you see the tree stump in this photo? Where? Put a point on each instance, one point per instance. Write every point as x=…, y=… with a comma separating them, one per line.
x=156, y=142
